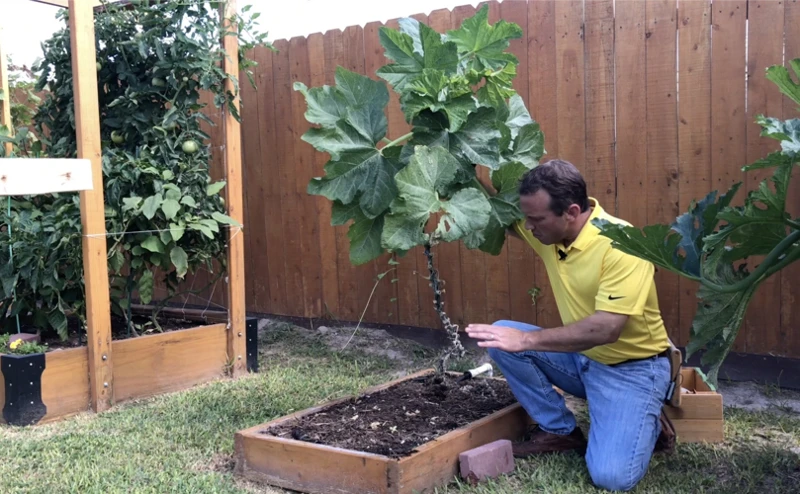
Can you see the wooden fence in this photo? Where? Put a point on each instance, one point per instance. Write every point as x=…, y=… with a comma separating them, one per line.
x=652, y=119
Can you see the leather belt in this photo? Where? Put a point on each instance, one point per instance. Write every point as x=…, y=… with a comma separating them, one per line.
x=665, y=354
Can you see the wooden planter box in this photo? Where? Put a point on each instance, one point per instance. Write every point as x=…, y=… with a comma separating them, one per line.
x=314, y=468
x=40, y=388
x=699, y=416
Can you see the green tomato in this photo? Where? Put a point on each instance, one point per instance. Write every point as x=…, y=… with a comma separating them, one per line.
x=157, y=81
x=185, y=79
x=99, y=66
x=117, y=138
x=171, y=125
x=190, y=147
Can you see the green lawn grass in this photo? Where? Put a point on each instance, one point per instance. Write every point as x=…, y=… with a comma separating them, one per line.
x=183, y=442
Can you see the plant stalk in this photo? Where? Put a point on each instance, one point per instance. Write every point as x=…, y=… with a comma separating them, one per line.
x=398, y=140
x=455, y=348
x=763, y=269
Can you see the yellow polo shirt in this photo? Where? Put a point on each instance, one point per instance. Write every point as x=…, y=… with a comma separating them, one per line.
x=595, y=276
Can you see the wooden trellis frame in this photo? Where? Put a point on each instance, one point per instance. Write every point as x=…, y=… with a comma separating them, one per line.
x=85, y=174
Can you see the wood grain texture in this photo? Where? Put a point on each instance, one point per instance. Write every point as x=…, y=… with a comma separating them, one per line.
x=292, y=229
x=95, y=264
x=521, y=258
x=447, y=256
x=337, y=248
x=236, y=341
x=382, y=307
x=162, y=363
x=788, y=341
x=498, y=305
x=564, y=80
x=631, y=108
x=765, y=48
x=65, y=383
x=302, y=172
x=661, y=139
x=474, y=269
x=728, y=117
x=543, y=105
x=694, y=131
x=322, y=206
x=319, y=468
x=600, y=167
x=408, y=270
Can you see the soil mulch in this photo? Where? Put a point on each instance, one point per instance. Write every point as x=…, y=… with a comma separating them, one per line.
x=119, y=330
x=395, y=421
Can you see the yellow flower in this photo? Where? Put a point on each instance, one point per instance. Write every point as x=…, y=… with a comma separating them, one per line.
x=14, y=344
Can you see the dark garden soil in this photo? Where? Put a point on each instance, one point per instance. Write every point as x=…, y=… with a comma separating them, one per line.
x=119, y=330
x=395, y=421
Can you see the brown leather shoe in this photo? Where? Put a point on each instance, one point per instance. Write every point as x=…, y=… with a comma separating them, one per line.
x=666, y=439
x=541, y=442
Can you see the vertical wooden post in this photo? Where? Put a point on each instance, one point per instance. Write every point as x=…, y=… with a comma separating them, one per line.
x=95, y=264
x=233, y=176
x=5, y=103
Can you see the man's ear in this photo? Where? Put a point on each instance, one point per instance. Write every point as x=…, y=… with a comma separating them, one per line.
x=573, y=211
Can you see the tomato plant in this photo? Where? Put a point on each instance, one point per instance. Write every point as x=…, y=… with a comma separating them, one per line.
x=712, y=242
x=455, y=89
x=163, y=213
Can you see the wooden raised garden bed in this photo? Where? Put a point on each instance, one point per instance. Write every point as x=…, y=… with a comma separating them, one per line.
x=698, y=418
x=43, y=387
x=288, y=457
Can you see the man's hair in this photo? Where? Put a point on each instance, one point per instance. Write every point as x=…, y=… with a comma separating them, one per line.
x=562, y=180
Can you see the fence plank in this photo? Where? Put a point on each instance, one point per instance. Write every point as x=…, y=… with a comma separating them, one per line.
x=728, y=128
x=521, y=258
x=631, y=107
x=694, y=129
x=599, y=51
x=543, y=104
x=498, y=305
x=789, y=338
x=381, y=305
x=322, y=206
x=256, y=283
x=407, y=304
x=287, y=143
x=473, y=261
x=307, y=223
x=272, y=218
x=662, y=139
x=353, y=302
x=765, y=48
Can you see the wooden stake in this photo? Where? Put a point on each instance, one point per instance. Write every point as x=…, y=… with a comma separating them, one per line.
x=5, y=103
x=95, y=264
x=233, y=175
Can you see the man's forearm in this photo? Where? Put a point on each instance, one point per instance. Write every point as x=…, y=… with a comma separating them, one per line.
x=595, y=330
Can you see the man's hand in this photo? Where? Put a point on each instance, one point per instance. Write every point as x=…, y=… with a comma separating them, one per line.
x=501, y=337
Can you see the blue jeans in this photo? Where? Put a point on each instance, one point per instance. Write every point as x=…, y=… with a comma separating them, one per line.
x=624, y=404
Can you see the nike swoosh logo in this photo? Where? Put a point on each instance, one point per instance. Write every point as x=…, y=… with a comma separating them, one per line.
x=615, y=298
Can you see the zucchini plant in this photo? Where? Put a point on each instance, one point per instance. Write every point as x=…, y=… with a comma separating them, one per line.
x=713, y=241
x=455, y=89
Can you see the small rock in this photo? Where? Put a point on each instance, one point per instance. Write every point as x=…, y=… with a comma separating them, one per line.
x=323, y=329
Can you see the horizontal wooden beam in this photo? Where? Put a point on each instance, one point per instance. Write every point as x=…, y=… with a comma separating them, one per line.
x=30, y=176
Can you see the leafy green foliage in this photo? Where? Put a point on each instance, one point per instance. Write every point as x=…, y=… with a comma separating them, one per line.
x=163, y=212
x=455, y=89
x=713, y=242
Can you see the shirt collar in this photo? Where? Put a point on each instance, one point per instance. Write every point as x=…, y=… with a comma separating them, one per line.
x=589, y=231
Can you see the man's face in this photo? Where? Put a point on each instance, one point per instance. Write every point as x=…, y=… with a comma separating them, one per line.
x=547, y=227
